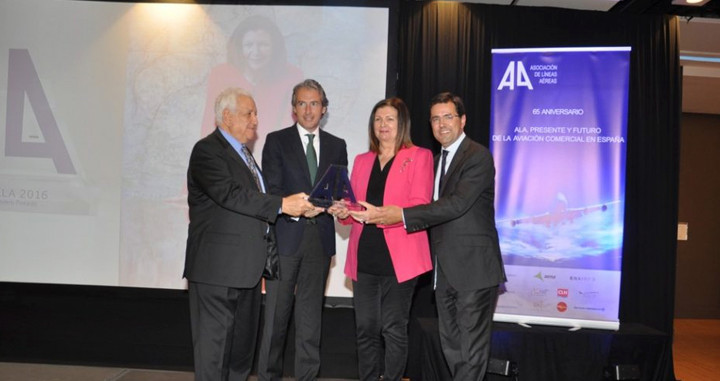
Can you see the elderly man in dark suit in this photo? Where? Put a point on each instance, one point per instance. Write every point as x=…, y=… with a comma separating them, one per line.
x=226, y=247
x=294, y=159
x=463, y=239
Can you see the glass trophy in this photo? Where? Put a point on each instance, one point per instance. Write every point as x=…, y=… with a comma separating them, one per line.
x=334, y=187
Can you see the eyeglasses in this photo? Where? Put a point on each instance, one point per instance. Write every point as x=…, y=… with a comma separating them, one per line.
x=446, y=117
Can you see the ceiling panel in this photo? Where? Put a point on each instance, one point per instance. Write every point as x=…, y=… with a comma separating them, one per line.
x=597, y=5
x=592, y=5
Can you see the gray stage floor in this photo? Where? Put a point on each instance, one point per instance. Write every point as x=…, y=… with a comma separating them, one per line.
x=44, y=372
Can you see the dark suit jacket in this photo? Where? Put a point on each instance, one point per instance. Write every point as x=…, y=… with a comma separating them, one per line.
x=463, y=236
x=286, y=172
x=228, y=217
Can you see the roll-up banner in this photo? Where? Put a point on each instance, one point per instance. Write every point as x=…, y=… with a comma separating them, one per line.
x=559, y=137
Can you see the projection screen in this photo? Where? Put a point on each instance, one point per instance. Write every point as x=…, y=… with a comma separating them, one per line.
x=102, y=103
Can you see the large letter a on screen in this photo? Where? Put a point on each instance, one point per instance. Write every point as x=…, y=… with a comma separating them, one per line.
x=23, y=79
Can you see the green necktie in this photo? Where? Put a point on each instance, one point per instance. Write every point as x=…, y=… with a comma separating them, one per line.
x=311, y=158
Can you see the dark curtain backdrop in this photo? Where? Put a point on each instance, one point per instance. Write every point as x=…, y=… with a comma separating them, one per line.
x=441, y=46
x=446, y=47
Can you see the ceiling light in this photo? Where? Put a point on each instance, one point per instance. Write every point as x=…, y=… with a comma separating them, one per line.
x=692, y=3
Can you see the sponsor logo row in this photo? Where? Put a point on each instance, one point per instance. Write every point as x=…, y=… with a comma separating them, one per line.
x=573, y=278
x=564, y=293
x=562, y=307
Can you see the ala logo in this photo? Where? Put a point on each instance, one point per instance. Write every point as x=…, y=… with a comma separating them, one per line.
x=515, y=76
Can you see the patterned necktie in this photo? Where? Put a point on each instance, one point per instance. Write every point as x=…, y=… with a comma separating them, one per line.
x=311, y=158
x=442, y=169
x=251, y=164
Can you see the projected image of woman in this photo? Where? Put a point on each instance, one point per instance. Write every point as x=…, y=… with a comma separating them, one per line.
x=257, y=62
x=384, y=261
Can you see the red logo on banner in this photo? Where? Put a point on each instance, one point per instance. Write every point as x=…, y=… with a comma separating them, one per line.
x=563, y=292
x=562, y=307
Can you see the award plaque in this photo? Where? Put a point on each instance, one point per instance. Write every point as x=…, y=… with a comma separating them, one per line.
x=334, y=187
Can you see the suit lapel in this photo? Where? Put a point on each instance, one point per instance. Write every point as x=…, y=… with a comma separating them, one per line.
x=230, y=151
x=325, y=148
x=228, y=148
x=457, y=159
x=297, y=154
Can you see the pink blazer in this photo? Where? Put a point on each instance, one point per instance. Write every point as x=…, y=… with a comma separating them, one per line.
x=409, y=183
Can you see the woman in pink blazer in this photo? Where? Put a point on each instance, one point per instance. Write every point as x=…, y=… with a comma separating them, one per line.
x=384, y=261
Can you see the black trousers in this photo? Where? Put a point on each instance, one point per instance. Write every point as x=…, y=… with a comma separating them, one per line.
x=382, y=311
x=302, y=283
x=224, y=325
x=465, y=325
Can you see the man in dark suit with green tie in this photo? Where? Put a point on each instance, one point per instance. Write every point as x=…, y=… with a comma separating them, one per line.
x=294, y=160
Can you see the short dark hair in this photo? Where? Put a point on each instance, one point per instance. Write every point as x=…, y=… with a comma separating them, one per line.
x=449, y=97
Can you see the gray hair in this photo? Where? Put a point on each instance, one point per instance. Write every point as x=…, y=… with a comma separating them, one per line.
x=309, y=84
x=228, y=100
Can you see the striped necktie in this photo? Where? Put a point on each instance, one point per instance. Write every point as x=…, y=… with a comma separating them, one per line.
x=250, y=161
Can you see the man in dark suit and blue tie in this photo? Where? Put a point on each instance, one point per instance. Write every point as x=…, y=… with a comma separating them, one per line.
x=226, y=249
x=463, y=239
x=294, y=159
